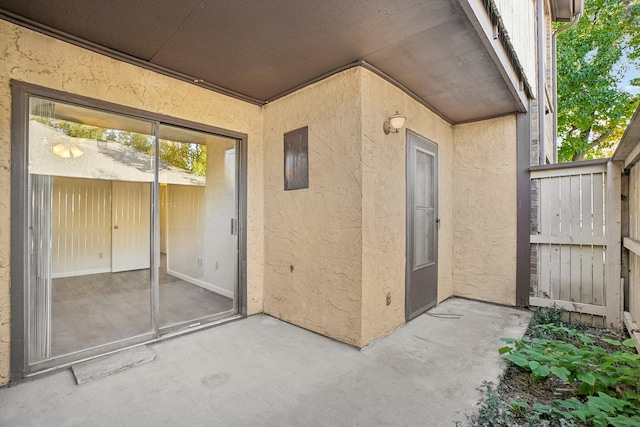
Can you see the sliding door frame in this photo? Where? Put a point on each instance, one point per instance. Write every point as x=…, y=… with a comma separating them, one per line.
x=21, y=93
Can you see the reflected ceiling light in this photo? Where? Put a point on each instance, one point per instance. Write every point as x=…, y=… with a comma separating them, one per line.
x=76, y=152
x=66, y=152
x=61, y=150
x=394, y=123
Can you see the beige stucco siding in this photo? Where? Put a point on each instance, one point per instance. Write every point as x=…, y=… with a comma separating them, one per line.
x=384, y=203
x=485, y=210
x=313, y=236
x=32, y=57
x=345, y=236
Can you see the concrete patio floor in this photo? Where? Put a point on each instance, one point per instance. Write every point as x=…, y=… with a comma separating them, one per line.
x=263, y=372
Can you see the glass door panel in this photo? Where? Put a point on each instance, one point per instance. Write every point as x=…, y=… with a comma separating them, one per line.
x=197, y=209
x=90, y=182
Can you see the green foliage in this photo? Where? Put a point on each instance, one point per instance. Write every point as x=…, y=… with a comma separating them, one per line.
x=191, y=157
x=545, y=316
x=592, y=111
x=609, y=381
x=184, y=155
x=72, y=129
x=491, y=413
x=494, y=412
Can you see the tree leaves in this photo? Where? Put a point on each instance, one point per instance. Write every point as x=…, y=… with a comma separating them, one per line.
x=592, y=110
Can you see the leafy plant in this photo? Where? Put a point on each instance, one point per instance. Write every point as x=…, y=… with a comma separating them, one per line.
x=546, y=316
x=492, y=413
x=608, y=380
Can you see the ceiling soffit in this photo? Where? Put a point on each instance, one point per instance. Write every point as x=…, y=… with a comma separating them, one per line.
x=257, y=51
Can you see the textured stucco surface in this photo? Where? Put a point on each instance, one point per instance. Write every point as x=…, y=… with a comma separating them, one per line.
x=485, y=186
x=345, y=236
x=313, y=236
x=384, y=203
x=41, y=60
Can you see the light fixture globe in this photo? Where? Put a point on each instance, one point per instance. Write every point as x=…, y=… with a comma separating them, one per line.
x=394, y=123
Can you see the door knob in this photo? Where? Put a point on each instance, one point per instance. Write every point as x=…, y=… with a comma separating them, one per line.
x=115, y=227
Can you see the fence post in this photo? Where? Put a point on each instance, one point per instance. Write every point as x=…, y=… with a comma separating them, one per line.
x=613, y=231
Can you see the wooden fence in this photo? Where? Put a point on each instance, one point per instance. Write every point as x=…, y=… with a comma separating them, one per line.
x=570, y=254
x=632, y=243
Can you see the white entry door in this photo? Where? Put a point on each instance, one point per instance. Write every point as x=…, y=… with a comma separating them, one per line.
x=130, y=225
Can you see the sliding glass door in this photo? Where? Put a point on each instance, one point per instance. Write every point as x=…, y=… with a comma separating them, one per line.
x=197, y=244
x=132, y=230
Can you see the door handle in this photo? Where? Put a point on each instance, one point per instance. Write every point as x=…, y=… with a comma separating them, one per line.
x=115, y=227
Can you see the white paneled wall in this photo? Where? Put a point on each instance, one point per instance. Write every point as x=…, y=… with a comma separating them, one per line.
x=220, y=199
x=199, y=244
x=81, y=226
x=185, y=226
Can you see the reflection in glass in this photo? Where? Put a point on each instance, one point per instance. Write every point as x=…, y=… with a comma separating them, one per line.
x=197, y=204
x=424, y=212
x=91, y=188
x=90, y=176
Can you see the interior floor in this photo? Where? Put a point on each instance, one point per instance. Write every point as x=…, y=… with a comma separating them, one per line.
x=102, y=308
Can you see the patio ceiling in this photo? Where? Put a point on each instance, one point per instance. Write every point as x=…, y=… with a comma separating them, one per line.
x=259, y=50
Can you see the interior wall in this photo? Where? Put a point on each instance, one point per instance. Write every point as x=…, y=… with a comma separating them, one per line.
x=162, y=213
x=219, y=251
x=384, y=203
x=35, y=58
x=81, y=226
x=313, y=236
x=185, y=231
x=485, y=210
x=200, y=246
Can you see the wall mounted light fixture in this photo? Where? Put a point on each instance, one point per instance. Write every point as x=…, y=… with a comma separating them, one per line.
x=394, y=123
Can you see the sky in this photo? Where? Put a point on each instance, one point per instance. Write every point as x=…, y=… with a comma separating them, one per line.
x=632, y=72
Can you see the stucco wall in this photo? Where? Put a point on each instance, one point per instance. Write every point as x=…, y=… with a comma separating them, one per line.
x=384, y=203
x=485, y=210
x=41, y=60
x=313, y=245
x=345, y=235
x=519, y=19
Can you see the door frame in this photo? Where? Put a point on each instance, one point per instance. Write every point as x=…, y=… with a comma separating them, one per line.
x=20, y=95
x=409, y=251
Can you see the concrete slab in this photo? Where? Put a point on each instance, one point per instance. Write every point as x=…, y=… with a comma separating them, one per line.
x=112, y=364
x=261, y=371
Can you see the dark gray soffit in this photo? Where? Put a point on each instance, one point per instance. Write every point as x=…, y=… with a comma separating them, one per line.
x=263, y=49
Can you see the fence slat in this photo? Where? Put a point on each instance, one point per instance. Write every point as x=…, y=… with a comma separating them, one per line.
x=598, y=204
x=575, y=287
x=587, y=211
x=554, y=271
x=544, y=282
x=586, y=287
x=598, y=275
x=565, y=206
x=550, y=206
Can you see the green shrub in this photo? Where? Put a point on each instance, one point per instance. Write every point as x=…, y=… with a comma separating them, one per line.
x=608, y=381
